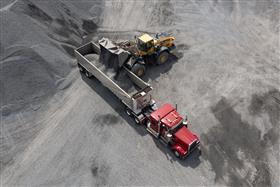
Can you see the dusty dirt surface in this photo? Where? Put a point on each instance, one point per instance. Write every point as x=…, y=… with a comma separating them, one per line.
x=59, y=128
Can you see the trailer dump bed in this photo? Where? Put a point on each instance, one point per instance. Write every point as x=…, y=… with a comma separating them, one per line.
x=119, y=77
x=104, y=62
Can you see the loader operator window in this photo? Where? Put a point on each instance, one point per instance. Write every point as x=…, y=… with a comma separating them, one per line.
x=141, y=45
x=144, y=46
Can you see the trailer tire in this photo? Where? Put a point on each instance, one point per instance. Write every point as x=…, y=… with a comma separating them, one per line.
x=176, y=153
x=81, y=68
x=88, y=74
x=138, y=69
x=128, y=112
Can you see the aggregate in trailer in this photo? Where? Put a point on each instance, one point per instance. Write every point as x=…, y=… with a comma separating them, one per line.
x=120, y=77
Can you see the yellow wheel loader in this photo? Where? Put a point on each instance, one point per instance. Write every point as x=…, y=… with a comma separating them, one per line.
x=147, y=49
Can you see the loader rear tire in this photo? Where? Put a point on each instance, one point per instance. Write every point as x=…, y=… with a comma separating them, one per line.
x=138, y=69
x=162, y=57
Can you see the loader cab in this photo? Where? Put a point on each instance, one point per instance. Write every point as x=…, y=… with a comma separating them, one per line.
x=145, y=43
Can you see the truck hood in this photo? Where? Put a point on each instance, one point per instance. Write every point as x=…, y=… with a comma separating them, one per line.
x=185, y=136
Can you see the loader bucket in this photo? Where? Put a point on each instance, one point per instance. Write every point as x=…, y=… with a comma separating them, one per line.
x=111, y=55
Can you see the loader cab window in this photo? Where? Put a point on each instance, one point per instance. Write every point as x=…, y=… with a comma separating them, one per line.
x=144, y=46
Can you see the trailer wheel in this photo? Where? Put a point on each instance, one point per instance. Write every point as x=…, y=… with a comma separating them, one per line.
x=138, y=69
x=81, y=68
x=162, y=57
x=88, y=74
x=128, y=111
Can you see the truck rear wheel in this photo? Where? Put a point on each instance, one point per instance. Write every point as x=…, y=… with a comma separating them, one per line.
x=138, y=69
x=137, y=121
x=128, y=111
x=88, y=74
x=162, y=57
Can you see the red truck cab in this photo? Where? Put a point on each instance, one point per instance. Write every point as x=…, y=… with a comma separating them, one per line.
x=167, y=124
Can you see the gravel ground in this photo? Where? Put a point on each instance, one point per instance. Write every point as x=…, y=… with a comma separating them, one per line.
x=59, y=128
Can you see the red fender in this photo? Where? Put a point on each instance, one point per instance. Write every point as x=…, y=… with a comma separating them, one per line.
x=179, y=149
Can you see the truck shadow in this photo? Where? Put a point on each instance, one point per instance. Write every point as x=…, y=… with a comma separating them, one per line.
x=113, y=101
x=193, y=160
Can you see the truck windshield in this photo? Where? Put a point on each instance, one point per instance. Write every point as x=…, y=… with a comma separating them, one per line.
x=175, y=128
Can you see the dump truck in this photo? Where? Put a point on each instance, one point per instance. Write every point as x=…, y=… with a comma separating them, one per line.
x=104, y=62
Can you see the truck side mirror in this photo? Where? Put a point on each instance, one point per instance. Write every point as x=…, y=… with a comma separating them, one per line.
x=185, y=122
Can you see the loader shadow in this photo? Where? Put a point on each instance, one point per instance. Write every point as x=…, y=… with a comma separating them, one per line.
x=155, y=71
x=113, y=101
x=193, y=160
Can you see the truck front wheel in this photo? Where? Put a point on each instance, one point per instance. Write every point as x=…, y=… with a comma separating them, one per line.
x=176, y=153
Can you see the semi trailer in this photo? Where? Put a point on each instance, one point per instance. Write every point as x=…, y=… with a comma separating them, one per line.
x=104, y=62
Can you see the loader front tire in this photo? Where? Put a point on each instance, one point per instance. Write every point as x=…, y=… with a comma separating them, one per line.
x=162, y=57
x=138, y=69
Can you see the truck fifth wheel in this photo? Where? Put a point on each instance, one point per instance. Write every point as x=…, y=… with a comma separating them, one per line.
x=104, y=62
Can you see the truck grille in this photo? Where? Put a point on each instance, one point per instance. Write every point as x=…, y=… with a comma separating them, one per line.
x=193, y=146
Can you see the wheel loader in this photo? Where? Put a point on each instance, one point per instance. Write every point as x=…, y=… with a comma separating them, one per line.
x=147, y=49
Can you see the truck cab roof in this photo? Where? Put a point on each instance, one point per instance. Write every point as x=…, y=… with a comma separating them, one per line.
x=168, y=115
